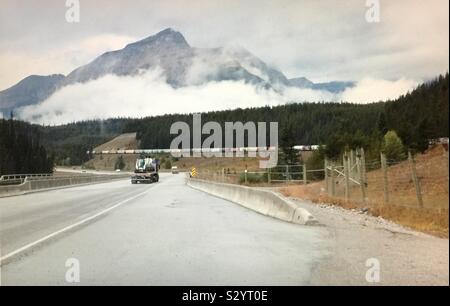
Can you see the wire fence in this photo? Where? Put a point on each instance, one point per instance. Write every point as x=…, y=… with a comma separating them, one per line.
x=419, y=181
x=279, y=175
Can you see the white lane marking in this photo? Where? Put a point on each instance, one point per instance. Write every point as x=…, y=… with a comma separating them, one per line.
x=65, y=229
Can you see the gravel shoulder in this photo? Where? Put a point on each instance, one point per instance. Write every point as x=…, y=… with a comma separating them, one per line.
x=406, y=257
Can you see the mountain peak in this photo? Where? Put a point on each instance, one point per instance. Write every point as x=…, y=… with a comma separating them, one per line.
x=301, y=82
x=167, y=36
x=167, y=31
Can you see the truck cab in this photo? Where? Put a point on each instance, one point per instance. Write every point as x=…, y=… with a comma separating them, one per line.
x=146, y=171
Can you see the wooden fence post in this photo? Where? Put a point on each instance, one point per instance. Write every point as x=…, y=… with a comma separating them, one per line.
x=304, y=175
x=352, y=164
x=358, y=164
x=363, y=165
x=385, y=177
x=326, y=174
x=346, y=161
x=362, y=183
x=287, y=174
x=412, y=164
x=333, y=184
x=269, y=179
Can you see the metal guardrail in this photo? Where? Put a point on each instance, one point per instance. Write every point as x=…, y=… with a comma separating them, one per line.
x=8, y=177
x=16, y=179
x=74, y=177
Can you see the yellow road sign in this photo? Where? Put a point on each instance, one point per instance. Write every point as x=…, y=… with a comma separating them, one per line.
x=193, y=172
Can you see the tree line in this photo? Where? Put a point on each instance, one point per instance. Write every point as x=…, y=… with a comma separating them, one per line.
x=21, y=150
x=416, y=117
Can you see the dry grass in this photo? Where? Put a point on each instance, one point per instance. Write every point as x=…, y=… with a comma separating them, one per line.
x=122, y=142
x=432, y=172
x=108, y=161
x=431, y=221
x=432, y=169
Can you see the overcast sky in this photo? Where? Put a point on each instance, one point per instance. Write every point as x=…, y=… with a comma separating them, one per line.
x=322, y=40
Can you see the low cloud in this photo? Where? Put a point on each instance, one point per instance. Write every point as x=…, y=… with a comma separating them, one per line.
x=373, y=90
x=148, y=94
x=145, y=95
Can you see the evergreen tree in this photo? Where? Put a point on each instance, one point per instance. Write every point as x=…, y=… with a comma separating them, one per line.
x=20, y=149
x=393, y=147
x=289, y=156
x=120, y=163
x=168, y=164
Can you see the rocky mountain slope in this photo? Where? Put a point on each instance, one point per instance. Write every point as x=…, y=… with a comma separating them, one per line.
x=31, y=90
x=180, y=65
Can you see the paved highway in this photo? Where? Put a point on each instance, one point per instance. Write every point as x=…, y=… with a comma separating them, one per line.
x=159, y=234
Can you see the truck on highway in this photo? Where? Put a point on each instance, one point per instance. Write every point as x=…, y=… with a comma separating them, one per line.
x=146, y=171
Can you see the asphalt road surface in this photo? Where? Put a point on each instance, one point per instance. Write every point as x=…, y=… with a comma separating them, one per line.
x=159, y=234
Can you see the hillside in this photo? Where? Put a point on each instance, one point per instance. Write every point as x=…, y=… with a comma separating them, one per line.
x=422, y=114
x=403, y=208
x=125, y=141
x=417, y=117
x=29, y=91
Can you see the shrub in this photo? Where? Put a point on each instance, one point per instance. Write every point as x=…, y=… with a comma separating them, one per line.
x=120, y=164
x=168, y=164
x=393, y=146
x=315, y=162
x=253, y=178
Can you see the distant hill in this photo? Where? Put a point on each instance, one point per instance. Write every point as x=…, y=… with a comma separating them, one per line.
x=421, y=114
x=334, y=87
x=31, y=90
x=125, y=141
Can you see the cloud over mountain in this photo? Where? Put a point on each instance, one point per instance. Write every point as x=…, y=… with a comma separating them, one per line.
x=148, y=94
x=164, y=74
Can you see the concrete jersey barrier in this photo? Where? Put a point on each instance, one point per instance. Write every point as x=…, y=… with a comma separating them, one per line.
x=265, y=202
